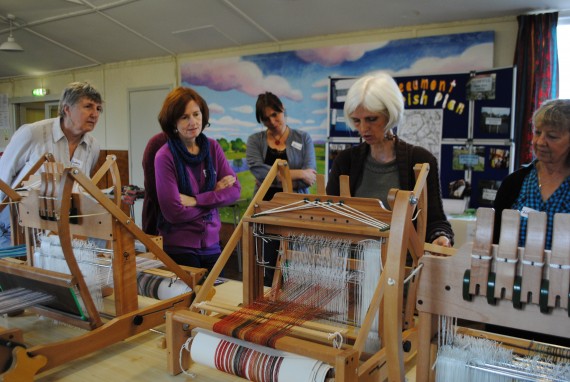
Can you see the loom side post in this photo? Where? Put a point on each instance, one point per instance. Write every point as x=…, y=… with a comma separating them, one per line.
x=346, y=366
x=427, y=331
x=321, y=186
x=65, y=238
x=124, y=270
x=394, y=278
x=344, y=186
x=420, y=191
x=177, y=333
x=284, y=176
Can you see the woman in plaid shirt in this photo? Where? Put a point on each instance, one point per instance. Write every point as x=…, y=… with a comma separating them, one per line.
x=544, y=184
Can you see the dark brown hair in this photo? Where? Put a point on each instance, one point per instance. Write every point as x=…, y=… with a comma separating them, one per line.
x=174, y=107
x=264, y=100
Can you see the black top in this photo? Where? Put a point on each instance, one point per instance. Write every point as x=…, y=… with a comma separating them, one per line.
x=270, y=158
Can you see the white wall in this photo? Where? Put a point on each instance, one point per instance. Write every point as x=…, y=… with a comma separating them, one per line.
x=115, y=80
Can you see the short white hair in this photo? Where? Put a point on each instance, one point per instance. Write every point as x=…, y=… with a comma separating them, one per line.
x=378, y=93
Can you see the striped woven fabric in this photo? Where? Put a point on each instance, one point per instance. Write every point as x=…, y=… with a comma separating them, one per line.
x=16, y=299
x=254, y=362
x=15, y=251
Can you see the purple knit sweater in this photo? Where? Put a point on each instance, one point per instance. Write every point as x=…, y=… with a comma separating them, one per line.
x=199, y=226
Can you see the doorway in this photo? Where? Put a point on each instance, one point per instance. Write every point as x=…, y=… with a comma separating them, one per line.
x=144, y=106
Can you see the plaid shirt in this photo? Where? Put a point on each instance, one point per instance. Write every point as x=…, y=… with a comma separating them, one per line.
x=530, y=197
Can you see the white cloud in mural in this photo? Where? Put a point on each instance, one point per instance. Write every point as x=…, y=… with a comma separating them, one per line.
x=218, y=131
x=476, y=57
x=293, y=121
x=216, y=108
x=324, y=83
x=310, y=121
x=317, y=132
x=235, y=74
x=229, y=121
x=320, y=96
x=245, y=109
x=335, y=55
x=320, y=111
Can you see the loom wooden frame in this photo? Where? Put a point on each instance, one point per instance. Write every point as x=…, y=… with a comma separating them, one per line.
x=349, y=365
x=441, y=286
x=100, y=217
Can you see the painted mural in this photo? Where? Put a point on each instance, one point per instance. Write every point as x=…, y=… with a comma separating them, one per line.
x=301, y=79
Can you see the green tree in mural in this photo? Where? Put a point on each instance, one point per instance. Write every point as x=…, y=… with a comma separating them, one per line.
x=238, y=145
x=224, y=144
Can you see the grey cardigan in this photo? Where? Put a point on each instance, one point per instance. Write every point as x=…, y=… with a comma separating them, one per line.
x=300, y=155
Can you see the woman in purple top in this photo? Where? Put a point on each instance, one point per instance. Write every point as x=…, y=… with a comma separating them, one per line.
x=193, y=179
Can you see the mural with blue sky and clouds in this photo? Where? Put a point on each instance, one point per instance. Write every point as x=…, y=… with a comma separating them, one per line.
x=300, y=78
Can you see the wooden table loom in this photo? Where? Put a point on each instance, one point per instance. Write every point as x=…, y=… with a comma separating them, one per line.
x=349, y=362
x=55, y=207
x=505, y=285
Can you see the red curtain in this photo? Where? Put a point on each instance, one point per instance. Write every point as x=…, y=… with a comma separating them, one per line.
x=536, y=59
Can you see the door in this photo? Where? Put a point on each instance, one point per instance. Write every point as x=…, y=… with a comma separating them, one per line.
x=144, y=106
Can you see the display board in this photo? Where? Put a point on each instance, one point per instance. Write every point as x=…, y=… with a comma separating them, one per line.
x=464, y=119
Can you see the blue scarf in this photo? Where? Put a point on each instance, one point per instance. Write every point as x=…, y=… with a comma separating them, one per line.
x=183, y=158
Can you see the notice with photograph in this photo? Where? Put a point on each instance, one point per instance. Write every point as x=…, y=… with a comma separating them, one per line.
x=495, y=120
x=481, y=87
x=499, y=158
x=465, y=158
x=487, y=192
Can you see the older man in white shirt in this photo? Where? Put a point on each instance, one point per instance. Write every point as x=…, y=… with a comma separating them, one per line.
x=66, y=137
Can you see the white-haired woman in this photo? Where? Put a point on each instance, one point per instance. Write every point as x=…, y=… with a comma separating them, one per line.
x=374, y=107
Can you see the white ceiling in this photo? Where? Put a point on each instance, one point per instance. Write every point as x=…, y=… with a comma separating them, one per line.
x=65, y=34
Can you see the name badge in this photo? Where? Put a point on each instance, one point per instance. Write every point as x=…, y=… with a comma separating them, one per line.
x=297, y=145
x=526, y=210
x=76, y=162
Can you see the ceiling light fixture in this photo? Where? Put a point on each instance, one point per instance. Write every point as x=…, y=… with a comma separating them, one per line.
x=11, y=45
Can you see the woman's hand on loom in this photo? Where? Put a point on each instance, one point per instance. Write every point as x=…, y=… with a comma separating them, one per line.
x=443, y=241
